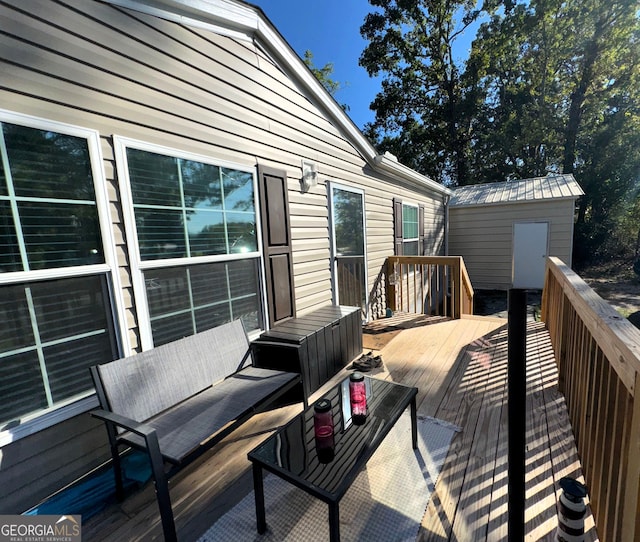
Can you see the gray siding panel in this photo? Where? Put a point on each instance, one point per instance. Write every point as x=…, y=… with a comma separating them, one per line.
x=64, y=459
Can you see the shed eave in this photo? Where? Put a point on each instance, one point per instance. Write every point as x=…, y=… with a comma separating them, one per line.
x=515, y=202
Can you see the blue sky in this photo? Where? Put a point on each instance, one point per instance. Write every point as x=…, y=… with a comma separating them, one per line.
x=330, y=29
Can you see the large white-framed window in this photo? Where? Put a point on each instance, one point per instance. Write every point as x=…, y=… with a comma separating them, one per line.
x=57, y=272
x=193, y=241
x=410, y=230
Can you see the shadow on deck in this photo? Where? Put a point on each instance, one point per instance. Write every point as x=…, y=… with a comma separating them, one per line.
x=460, y=368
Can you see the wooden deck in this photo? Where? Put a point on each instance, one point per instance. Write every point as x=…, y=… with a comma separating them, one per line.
x=460, y=368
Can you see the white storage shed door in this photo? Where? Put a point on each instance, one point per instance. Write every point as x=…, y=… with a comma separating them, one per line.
x=530, y=242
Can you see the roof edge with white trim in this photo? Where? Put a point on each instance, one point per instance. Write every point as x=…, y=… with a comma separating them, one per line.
x=240, y=19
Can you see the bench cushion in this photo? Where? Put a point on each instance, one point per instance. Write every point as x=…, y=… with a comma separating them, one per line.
x=181, y=429
x=142, y=385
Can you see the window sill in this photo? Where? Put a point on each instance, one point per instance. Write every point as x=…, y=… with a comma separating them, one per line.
x=48, y=419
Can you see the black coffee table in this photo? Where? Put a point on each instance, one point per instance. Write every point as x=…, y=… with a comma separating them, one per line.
x=290, y=453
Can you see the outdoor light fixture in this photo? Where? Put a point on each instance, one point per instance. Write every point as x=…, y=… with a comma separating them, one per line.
x=309, y=176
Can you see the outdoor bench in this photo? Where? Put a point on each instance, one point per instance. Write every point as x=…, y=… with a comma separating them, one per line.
x=178, y=400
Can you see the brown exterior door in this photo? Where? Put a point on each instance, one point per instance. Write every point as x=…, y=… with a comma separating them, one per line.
x=276, y=242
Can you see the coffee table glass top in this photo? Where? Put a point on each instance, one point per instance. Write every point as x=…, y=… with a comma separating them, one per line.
x=293, y=452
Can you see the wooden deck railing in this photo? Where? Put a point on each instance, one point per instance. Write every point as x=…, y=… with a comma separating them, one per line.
x=598, y=356
x=351, y=280
x=435, y=285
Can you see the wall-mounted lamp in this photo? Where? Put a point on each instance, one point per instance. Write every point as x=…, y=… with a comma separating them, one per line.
x=309, y=176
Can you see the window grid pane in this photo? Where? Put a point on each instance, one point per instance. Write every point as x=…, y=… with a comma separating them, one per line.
x=61, y=327
x=58, y=226
x=47, y=164
x=410, y=248
x=187, y=300
x=21, y=387
x=3, y=187
x=160, y=233
x=9, y=250
x=185, y=208
x=60, y=235
x=154, y=178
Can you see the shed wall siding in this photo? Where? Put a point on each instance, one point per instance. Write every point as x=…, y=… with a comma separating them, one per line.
x=129, y=74
x=483, y=235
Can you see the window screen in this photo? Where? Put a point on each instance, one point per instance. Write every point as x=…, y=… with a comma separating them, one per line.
x=53, y=329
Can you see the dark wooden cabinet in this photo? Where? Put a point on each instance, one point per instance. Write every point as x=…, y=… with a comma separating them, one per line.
x=317, y=345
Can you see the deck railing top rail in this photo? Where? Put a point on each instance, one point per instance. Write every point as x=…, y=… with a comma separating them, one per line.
x=618, y=338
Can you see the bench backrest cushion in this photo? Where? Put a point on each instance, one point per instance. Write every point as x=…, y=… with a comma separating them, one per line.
x=147, y=383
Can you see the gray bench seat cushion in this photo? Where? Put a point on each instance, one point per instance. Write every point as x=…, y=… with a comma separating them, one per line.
x=182, y=428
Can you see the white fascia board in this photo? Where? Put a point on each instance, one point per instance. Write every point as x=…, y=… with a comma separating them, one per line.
x=389, y=166
x=220, y=16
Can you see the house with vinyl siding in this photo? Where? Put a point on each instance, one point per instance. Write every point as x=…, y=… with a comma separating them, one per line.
x=166, y=167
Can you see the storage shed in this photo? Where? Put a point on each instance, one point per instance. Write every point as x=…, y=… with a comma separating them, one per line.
x=506, y=230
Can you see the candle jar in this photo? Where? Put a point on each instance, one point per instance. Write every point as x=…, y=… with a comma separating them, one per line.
x=358, y=398
x=323, y=430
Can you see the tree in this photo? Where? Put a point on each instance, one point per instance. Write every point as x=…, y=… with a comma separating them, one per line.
x=516, y=63
x=324, y=76
x=421, y=111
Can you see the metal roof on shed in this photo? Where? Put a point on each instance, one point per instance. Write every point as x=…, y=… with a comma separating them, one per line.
x=522, y=191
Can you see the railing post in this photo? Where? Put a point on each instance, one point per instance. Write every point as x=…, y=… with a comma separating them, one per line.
x=517, y=393
x=631, y=506
x=391, y=288
x=456, y=271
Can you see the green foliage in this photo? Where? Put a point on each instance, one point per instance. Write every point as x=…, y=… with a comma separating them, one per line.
x=549, y=86
x=324, y=76
x=422, y=111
